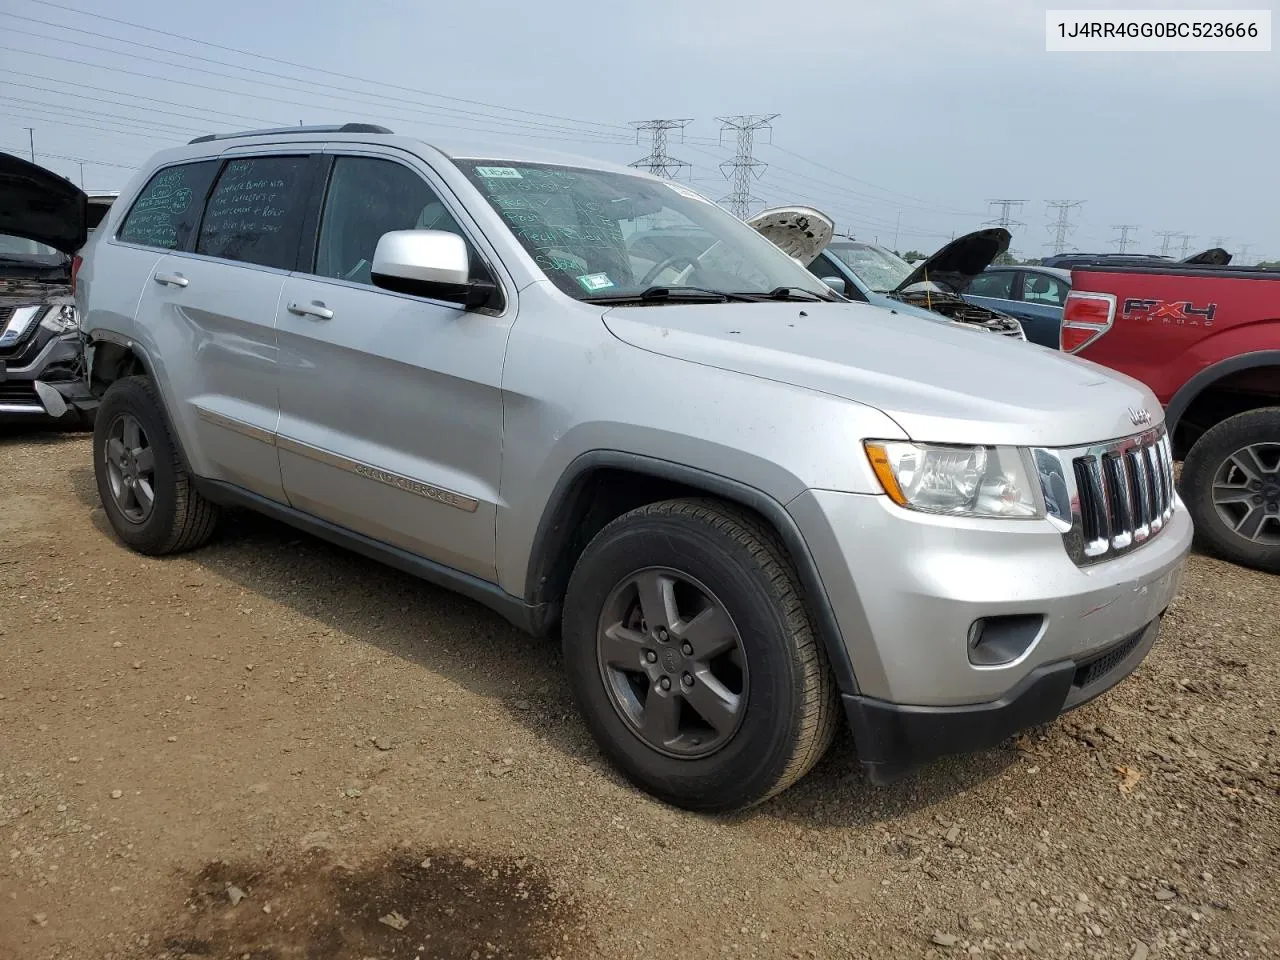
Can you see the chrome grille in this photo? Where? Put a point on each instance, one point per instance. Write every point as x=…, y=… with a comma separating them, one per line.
x=1110, y=498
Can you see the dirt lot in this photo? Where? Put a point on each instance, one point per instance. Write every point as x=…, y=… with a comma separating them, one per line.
x=271, y=748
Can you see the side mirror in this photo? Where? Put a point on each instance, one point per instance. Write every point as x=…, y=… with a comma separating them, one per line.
x=837, y=284
x=428, y=263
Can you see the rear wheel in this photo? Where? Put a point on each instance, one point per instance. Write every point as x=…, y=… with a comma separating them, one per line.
x=692, y=657
x=145, y=489
x=1231, y=484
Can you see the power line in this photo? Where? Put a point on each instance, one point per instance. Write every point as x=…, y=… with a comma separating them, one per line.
x=1061, y=226
x=659, y=162
x=332, y=73
x=1122, y=242
x=744, y=165
x=1186, y=239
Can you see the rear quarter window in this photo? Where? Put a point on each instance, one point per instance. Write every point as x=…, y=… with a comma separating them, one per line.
x=168, y=208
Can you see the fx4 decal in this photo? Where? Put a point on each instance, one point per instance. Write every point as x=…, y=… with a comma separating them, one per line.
x=1179, y=312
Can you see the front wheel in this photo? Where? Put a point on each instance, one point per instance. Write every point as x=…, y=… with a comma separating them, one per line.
x=1231, y=485
x=692, y=657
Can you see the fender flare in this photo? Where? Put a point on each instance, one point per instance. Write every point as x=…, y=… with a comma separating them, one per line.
x=1210, y=375
x=128, y=343
x=561, y=503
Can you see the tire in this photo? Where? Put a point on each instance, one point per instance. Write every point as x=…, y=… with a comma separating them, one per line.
x=1212, y=474
x=777, y=674
x=178, y=517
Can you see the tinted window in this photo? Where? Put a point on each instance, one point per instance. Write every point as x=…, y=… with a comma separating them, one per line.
x=998, y=284
x=166, y=211
x=1040, y=288
x=255, y=212
x=367, y=198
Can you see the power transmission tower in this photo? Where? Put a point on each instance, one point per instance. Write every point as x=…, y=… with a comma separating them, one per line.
x=659, y=162
x=1186, y=242
x=1122, y=241
x=1007, y=209
x=1219, y=241
x=744, y=165
x=1061, y=226
x=1166, y=240
x=1243, y=253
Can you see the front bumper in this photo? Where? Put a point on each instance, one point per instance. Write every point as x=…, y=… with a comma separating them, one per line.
x=907, y=588
x=50, y=386
x=893, y=739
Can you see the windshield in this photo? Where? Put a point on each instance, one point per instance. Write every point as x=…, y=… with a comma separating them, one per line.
x=11, y=246
x=598, y=234
x=877, y=268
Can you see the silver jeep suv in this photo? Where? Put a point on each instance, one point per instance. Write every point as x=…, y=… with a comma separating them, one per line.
x=743, y=502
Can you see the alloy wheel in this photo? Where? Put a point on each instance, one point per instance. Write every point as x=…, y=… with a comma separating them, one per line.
x=1246, y=493
x=130, y=464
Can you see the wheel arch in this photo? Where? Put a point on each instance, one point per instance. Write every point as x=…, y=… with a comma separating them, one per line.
x=1199, y=393
x=113, y=356
x=600, y=485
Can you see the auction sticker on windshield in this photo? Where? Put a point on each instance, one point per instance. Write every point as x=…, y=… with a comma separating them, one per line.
x=595, y=281
x=499, y=173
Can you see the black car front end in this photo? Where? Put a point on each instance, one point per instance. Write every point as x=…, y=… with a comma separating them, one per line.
x=41, y=356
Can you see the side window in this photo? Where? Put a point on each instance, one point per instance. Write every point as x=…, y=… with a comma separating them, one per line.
x=255, y=212
x=367, y=198
x=822, y=267
x=998, y=284
x=1040, y=288
x=166, y=211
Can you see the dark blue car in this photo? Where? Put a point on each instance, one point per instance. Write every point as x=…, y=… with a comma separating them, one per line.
x=1034, y=295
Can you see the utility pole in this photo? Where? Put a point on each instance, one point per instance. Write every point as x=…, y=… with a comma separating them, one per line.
x=659, y=162
x=1122, y=242
x=31, y=138
x=1005, y=218
x=1166, y=238
x=1062, y=225
x=1186, y=242
x=744, y=165
x=81, y=162
x=897, y=227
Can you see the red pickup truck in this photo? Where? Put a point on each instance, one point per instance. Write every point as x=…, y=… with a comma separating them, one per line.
x=1206, y=340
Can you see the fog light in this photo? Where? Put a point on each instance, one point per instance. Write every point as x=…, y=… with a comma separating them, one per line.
x=998, y=640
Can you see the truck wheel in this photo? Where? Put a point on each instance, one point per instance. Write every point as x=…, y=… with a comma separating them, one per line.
x=692, y=658
x=144, y=487
x=1231, y=484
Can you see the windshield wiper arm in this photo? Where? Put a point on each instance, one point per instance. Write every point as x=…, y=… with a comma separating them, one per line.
x=673, y=295
x=794, y=293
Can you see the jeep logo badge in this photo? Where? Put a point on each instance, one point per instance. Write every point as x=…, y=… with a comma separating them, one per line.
x=1139, y=417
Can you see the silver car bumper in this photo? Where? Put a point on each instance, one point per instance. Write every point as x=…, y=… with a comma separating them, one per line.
x=907, y=588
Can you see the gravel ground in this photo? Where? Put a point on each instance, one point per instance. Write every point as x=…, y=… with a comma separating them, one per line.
x=271, y=748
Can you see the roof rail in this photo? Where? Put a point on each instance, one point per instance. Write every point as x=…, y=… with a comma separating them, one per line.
x=275, y=131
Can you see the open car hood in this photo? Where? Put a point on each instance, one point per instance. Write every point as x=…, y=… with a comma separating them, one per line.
x=1214, y=257
x=956, y=264
x=37, y=204
x=801, y=232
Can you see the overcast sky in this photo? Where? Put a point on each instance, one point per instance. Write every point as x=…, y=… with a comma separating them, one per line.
x=900, y=119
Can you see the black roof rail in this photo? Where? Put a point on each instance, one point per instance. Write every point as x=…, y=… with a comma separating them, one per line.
x=275, y=131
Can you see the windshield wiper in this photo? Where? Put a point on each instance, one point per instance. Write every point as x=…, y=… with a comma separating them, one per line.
x=794, y=293
x=673, y=295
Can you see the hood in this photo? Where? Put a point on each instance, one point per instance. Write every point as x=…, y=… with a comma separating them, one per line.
x=801, y=232
x=956, y=264
x=37, y=204
x=1214, y=257
x=938, y=383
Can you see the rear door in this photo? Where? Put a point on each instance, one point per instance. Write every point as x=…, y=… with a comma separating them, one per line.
x=211, y=309
x=1041, y=297
x=391, y=404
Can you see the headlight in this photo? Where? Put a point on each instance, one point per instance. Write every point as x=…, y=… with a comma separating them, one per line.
x=958, y=481
x=63, y=319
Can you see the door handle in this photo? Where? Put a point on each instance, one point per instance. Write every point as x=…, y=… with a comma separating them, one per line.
x=314, y=309
x=171, y=279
